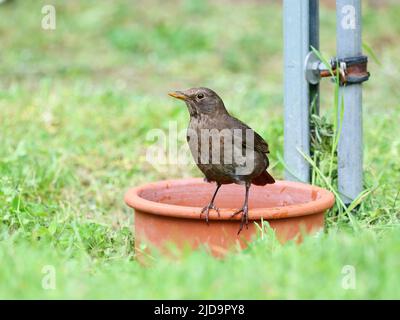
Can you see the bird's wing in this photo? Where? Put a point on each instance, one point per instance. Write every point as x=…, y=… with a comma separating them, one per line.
x=259, y=143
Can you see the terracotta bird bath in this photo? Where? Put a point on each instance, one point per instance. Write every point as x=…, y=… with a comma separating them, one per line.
x=169, y=212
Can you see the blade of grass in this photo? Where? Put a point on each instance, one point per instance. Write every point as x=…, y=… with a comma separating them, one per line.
x=371, y=53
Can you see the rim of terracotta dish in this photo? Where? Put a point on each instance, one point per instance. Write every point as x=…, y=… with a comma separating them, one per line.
x=133, y=199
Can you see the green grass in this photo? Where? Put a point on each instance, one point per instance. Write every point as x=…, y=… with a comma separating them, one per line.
x=76, y=105
x=316, y=269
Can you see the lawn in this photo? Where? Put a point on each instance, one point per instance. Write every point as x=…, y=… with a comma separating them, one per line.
x=77, y=104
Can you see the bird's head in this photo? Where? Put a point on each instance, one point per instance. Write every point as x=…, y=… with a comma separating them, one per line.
x=201, y=101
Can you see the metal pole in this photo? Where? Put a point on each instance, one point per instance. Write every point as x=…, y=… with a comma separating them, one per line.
x=300, y=25
x=350, y=147
x=314, y=41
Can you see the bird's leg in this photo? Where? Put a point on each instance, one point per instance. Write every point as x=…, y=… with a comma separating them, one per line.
x=211, y=205
x=244, y=210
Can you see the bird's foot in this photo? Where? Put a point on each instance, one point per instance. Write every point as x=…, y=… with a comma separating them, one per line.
x=206, y=211
x=245, y=217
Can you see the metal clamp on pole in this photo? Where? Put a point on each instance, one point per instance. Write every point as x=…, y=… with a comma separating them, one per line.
x=354, y=70
x=351, y=70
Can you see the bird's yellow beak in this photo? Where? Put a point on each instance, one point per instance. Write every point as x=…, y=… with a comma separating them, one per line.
x=178, y=95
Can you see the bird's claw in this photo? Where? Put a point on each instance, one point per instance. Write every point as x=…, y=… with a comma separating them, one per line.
x=206, y=210
x=245, y=217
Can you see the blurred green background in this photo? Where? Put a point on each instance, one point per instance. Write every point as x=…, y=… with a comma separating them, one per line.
x=77, y=102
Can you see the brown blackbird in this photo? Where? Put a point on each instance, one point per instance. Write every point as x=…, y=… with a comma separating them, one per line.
x=225, y=149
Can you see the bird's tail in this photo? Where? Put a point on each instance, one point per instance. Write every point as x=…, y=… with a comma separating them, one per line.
x=263, y=179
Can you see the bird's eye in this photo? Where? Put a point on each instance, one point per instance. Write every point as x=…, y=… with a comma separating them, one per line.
x=200, y=96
